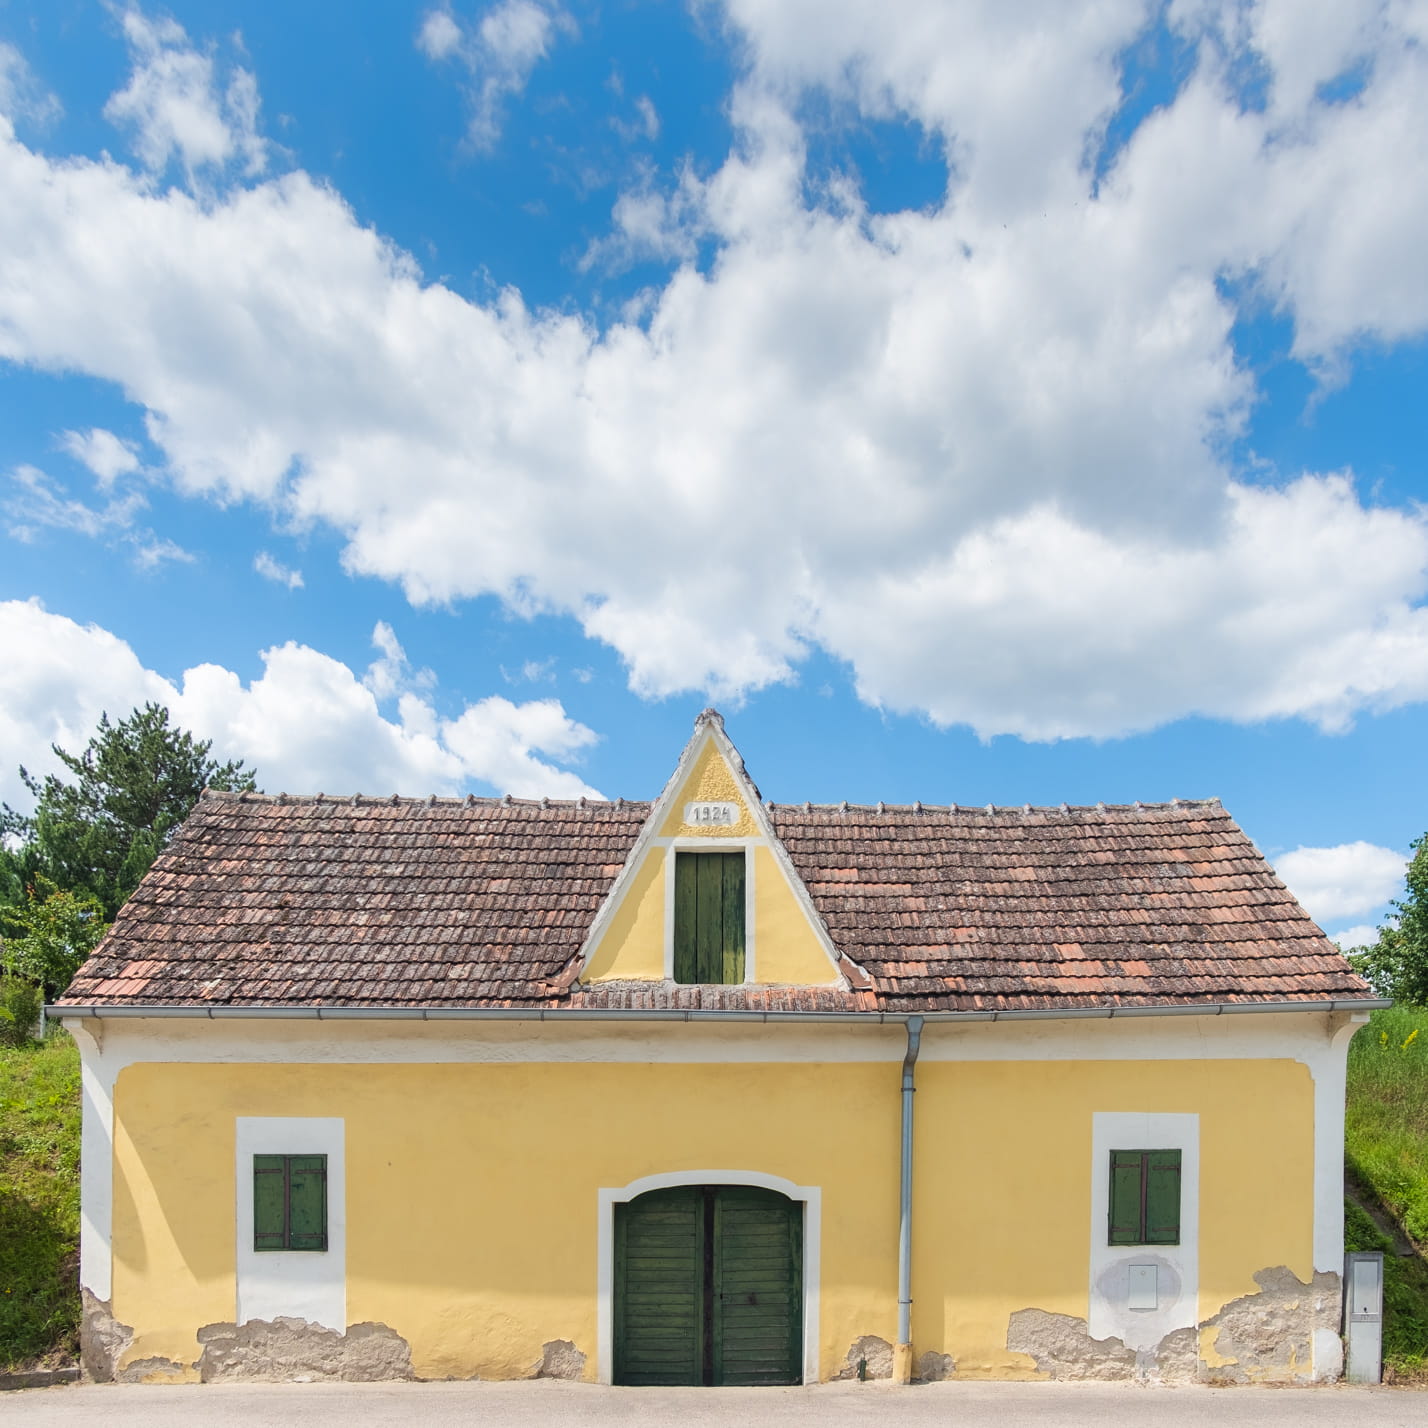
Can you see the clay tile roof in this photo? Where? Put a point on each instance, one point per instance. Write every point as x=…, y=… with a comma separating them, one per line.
x=486, y=903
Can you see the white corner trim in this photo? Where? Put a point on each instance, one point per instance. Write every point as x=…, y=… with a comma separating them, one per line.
x=812, y=1197
x=1329, y=1068
x=97, y=1074
x=299, y=1284
x=1177, y=1266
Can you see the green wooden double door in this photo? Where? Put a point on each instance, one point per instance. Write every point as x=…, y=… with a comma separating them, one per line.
x=709, y=1287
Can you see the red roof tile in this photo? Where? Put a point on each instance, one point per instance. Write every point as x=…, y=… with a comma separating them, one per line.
x=479, y=902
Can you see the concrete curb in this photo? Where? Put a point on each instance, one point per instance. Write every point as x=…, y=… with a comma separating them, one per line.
x=38, y=1378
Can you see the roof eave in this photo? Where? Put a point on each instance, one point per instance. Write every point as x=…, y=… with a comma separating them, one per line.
x=627, y=1014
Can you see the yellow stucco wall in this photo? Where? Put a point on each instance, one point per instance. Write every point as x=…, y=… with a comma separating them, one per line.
x=1003, y=1187
x=472, y=1214
x=710, y=781
x=632, y=945
x=786, y=948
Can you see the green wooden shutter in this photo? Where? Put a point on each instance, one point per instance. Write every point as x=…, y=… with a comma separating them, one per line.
x=269, y=1202
x=659, y=1288
x=730, y=954
x=709, y=917
x=307, y=1202
x=686, y=922
x=1162, y=1197
x=758, y=1288
x=1127, y=1178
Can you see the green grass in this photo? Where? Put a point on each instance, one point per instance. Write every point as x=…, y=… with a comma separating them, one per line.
x=1386, y=1151
x=39, y=1203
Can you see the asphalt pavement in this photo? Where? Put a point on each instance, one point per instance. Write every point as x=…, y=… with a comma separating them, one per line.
x=947, y=1405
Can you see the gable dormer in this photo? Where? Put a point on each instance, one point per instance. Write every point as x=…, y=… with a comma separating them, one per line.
x=708, y=894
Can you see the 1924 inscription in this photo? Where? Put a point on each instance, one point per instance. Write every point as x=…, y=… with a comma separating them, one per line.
x=711, y=815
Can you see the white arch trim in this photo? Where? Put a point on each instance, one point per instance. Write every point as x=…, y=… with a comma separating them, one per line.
x=810, y=1195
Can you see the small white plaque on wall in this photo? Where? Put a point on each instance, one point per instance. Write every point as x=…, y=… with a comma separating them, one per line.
x=1142, y=1288
x=711, y=815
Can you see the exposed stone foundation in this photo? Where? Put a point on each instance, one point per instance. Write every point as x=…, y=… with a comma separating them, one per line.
x=874, y=1355
x=102, y=1338
x=283, y=1351
x=294, y=1351
x=933, y=1367
x=560, y=1359
x=1266, y=1337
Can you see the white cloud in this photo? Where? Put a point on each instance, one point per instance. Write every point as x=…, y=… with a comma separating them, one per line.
x=439, y=36
x=176, y=107
x=974, y=451
x=106, y=455
x=307, y=724
x=1361, y=935
x=499, y=51
x=1348, y=880
x=151, y=551
x=270, y=568
x=391, y=673
x=38, y=502
x=22, y=96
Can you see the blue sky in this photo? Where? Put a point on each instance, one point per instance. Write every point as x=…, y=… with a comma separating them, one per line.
x=1009, y=404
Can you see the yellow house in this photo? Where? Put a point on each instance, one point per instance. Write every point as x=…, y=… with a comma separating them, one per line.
x=625, y=1092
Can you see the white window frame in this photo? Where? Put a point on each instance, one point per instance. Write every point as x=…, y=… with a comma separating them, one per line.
x=711, y=845
x=294, y=1284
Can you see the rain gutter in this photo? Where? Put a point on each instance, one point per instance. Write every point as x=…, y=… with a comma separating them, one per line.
x=559, y=1014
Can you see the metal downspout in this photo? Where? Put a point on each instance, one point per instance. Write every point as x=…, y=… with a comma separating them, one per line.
x=902, y=1353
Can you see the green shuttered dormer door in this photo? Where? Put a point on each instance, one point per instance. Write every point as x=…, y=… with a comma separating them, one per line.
x=709, y=1287
x=709, y=917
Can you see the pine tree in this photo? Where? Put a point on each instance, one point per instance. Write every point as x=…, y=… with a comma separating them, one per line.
x=99, y=832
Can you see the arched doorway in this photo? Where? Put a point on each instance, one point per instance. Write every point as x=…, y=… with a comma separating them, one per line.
x=708, y=1287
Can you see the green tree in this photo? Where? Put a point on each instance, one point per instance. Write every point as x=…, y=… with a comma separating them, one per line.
x=1397, y=964
x=48, y=935
x=99, y=832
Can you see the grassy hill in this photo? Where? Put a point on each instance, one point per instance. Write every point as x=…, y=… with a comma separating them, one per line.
x=39, y=1203
x=1386, y=1156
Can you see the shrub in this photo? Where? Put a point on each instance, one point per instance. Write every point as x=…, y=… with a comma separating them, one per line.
x=19, y=1011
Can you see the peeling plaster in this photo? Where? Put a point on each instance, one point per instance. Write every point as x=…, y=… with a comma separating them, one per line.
x=1267, y=1337
x=1061, y=1346
x=295, y=1351
x=869, y=1349
x=103, y=1340
x=933, y=1367
x=559, y=1359
x=157, y=1370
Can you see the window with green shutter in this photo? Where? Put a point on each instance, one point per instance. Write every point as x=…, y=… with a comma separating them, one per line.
x=289, y=1202
x=1145, y=1197
x=709, y=917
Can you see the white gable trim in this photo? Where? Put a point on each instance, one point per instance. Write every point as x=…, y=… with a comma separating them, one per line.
x=812, y=1197
x=708, y=729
